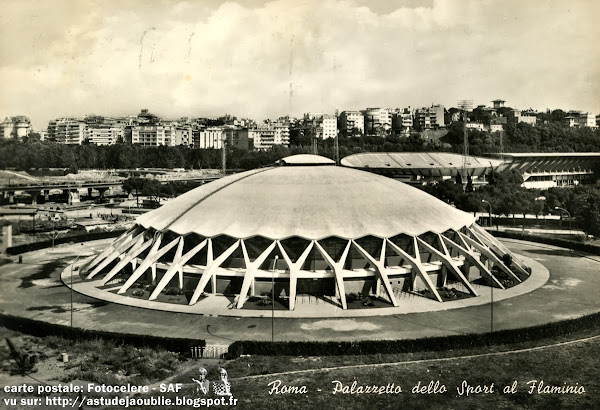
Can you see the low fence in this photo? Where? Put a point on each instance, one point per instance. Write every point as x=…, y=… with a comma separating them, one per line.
x=541, y=222
x=209, y=352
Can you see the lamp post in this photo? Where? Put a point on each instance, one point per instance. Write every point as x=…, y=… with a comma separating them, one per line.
x=491, y=283
x=558, y=208
x=74, y=262
x=273, y=299
x=53, y=232
x=490, y=205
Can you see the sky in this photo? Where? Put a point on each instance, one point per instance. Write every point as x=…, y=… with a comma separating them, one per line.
x=266, y=59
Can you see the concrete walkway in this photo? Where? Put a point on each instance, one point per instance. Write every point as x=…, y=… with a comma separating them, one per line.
x=218, y=305
x=571, y=291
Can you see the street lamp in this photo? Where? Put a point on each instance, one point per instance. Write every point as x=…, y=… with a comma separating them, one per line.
x=491, y=283
x=490, y=205
x=558, y=208
x=74, y=262
x=273, y=299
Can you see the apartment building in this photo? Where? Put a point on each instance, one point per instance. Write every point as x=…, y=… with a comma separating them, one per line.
x=329, y=126
x=430, y=117
x=376, y=119
x=184, y=135
x=235, y=138
x=209, y=137
x=153, y=135
x=351, y=122
x=322, y=125
x=265, y=135
x=70, y=131
x=104, y=134
x=15, y=127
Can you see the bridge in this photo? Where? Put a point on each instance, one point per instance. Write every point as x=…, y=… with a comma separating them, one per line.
x=72, y=189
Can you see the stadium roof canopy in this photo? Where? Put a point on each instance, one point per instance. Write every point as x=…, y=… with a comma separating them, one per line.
x=547, y=154
x=423, y=163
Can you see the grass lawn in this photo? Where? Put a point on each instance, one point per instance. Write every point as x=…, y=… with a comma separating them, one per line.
x=572, y=364
x=568, y=364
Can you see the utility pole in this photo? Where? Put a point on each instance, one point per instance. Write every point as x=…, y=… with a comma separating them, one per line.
x=464, y=106
x=224, y=153
x=314, y=137
x=336, y=142
x=465, y=145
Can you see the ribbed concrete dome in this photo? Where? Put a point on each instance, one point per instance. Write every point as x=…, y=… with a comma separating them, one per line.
x=315, y=228
x=309, y=201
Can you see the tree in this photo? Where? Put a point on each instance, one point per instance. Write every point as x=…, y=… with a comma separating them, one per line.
x=587, y=210
x=508, y=177
x=469, y=187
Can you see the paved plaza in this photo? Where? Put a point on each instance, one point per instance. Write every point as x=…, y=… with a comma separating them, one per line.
x=569, y=289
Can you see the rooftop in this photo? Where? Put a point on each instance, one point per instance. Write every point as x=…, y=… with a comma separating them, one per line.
x=312, y=202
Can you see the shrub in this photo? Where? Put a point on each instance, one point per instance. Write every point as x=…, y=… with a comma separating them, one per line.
x=507, y=259
x=94, y=340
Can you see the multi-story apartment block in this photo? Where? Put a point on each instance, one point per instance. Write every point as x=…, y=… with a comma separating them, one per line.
x=430, y=117
x=402, y=120
x=184, y=135
x=263, y=138
x=209, y=137
x=329, y=125
x=376, y=119
x=70, y=131
x=15, y=127
x=105, y=134
x=265, y=135
x=153, y=135
x=235, y=138
x=282, y=132
x=322, y=126
x=351, y=123
x=437, y=115
x=423, y=119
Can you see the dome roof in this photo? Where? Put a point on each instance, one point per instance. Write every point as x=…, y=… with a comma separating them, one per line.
x=312, y=202
x=306, y=159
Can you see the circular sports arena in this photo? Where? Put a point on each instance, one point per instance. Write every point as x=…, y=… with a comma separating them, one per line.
x=305, y=227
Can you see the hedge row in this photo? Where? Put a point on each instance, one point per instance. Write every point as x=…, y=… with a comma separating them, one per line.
x=563, y=243
x=35, y=246
x=42, y=329
x=367, y=347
